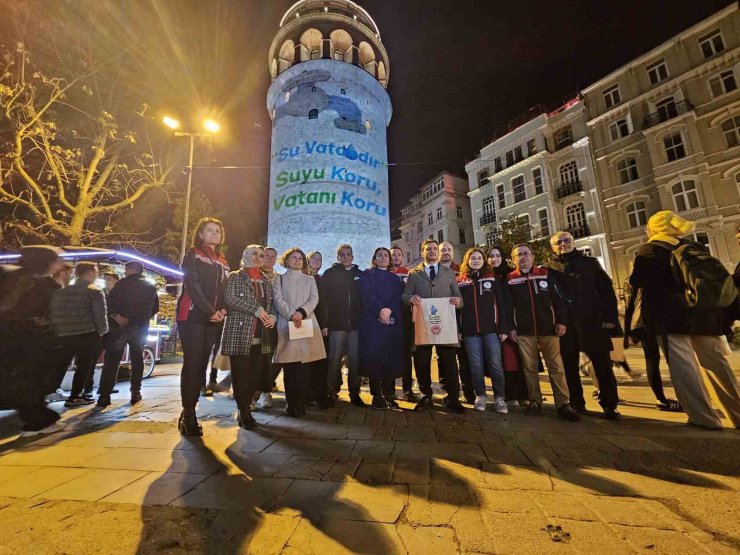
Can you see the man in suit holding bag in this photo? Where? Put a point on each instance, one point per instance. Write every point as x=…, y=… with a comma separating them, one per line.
x=431, y=280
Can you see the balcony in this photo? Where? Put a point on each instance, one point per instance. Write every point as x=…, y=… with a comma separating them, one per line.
x=570, y=188
x=668, y=112
x=579, y=232
x=486, y=219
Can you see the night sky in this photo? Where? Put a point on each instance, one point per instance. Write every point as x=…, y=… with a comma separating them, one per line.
x=459, y=70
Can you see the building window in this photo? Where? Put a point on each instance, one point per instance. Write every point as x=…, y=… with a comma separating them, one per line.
x=568, y=173
x=731, y=129
x=419, y=228
x=461, y=233
x=482, y=177
x=711, y=44
x=575, y=215
x=430, y=220
x=315, y=54
x=531, y=147
x=544, y=221
x=612, y=96
x=491, y=238
x=497, y=165
x=563, y=138
x=627, y=169
x=431, y=237
x=518, y=156
x=488, y=206
x=459, y=213
x=722, y=83
x=537, y=178
x=674, y=148
x=666, y=109
x=408, y=256
x=509, y=158
x=339, y=54
x=501, y=196
x=440, y=236
x=439, y=214
x=313, y=89
x=342, y=91
x=684, y=195
x=517, y=185
x=313, y=114
x=657, y=72
x=619, y=129
x=636, y=214
x=523, y=220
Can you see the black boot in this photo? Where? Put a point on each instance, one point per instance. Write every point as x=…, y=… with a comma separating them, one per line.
x=188, y=426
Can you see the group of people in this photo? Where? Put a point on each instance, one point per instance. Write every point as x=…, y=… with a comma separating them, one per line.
x=307, y=324
x=46, y=323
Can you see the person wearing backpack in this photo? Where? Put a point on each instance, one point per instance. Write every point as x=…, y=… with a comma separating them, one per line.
x=681, y=305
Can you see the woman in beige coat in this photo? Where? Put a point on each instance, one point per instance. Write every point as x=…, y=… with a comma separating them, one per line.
x=296, y=297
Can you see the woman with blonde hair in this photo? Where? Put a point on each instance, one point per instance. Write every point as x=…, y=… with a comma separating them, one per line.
x=296, y=298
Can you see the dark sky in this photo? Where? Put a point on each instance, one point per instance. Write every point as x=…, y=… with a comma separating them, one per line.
x=459, y=69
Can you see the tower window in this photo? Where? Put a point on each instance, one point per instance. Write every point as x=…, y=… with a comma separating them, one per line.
x=313, y=114
x=342, y=91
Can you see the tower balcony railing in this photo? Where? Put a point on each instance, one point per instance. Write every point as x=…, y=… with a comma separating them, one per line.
x=666, y=113
x=488, y=218
x=569, y=188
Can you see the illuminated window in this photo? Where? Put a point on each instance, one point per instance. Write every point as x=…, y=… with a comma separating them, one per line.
x=531, y=148
x=722, y=83
x=563, y=138
x=711, y=44
x=568, y=173
x=684, y=195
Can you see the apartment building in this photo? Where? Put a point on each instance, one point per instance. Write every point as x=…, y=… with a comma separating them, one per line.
x=540, y=171
x=439, y=211
x=665, y=133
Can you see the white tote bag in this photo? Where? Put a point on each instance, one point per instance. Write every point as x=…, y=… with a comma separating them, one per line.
x=435, y=322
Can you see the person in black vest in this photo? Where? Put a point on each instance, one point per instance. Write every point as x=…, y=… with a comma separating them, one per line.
x=133, y=302
x=592, y=318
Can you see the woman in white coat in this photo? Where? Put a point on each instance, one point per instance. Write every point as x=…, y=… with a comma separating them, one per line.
x=296, y=297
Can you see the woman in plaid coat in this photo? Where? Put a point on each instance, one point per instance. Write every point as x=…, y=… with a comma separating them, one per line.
x=245, y=339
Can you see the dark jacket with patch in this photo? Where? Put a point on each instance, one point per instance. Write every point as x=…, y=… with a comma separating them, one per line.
x=487, y=309
x=537, y=303
x=340, y=303
x=205, y=278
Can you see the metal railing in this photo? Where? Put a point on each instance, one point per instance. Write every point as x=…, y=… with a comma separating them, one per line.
x=570, y=188
x=580, y=231
x=487, y=219
x=668, y=112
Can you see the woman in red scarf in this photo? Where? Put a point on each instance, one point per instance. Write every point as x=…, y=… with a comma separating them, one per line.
x=200, y=314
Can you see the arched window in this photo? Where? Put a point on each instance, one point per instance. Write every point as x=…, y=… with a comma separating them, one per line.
x=575, y=215
x=568, y=173
x=313, y=114
x=722, y=83
x=627, y=170
x=339, y=54
x=684, y=195
x=636, y=214
x=731, y=129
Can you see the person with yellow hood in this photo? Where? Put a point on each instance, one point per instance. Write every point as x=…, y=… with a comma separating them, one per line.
x=685, y=334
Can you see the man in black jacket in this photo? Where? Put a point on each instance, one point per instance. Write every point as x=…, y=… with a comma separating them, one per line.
x=592, y=317
x=132, y=303
x=340, y=312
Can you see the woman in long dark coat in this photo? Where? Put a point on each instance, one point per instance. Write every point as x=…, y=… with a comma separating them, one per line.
x=381, y=333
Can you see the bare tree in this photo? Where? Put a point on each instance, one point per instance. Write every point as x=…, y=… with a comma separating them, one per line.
x=67, y=165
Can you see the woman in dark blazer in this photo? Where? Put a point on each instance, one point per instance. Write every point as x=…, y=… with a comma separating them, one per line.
x=200, y=313
x=245, y=340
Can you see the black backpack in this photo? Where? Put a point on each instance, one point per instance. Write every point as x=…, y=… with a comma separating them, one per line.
x=706, y=282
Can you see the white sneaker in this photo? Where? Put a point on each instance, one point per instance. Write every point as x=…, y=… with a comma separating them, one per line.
x=265, y=401
x=499, y=405
x=480, y=403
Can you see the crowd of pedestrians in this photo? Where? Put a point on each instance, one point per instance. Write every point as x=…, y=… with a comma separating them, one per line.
x=310, y=325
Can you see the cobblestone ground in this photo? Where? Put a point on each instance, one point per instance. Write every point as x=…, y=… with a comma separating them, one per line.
x=122, y=480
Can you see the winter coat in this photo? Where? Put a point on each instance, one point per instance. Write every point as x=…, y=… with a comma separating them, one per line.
x=78, y=309
x=204, y=278
x=243, y=311
x=294, y=292
x=134, y=298
x=418, y=283
x=380, y=345
x=538, y=304
x=590, y=297
x=662, y=310
x=341, y=305
x=487, y=309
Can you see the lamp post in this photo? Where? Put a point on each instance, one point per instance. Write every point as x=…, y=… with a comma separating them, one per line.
x=211, y=127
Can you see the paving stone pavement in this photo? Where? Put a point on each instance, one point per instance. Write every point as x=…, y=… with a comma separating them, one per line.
x=122, y=480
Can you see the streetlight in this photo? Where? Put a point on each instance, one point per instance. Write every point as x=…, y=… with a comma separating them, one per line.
x=211, y=127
